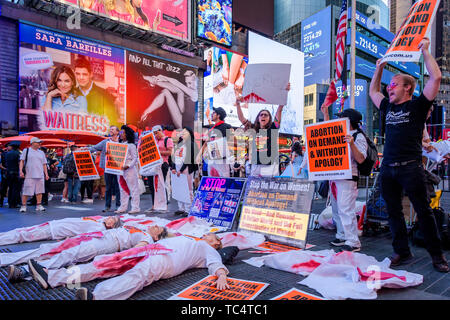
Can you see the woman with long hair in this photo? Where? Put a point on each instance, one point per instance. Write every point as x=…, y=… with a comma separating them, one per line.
x=185, y=154
x=128, y=182
x=62, y=94
x=264, y=147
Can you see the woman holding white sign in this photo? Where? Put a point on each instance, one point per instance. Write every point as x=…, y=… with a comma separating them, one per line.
x=128, y=182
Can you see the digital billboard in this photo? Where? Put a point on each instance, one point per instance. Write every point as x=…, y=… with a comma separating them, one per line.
x=225, y=74
x=214, y=20
x=70, y=83
x=171, y=18
x=361, y=96
x=160, y=92
x=316, y=45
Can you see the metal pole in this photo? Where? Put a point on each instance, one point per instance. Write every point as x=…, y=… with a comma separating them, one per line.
x=353, y=59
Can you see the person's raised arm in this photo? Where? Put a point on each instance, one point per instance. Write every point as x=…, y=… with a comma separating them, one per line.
x=277, y=119
x=431, y=88
x=324, y=109
x=241, y=116
x=375, y=84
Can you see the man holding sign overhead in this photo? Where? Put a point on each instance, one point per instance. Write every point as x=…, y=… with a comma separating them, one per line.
x=401, y=168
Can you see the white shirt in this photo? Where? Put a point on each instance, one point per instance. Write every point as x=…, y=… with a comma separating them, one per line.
x=127, y=238
x=35, y=163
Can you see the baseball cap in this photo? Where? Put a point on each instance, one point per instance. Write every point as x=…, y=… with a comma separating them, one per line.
x=34, y=139
x=221, y=112
x=156, y=128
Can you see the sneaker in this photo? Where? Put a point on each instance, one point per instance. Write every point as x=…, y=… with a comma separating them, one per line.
x=39, y=207
x=38, y=273
x=84, y=294
x=350, y=248
x=23, y=209
x=64, y=200
x=149, y=210
x=179, y=212
x=50, y=197
x=134, y=211
x=106, y=210
x=337, y=242
x=88, y=201
x=17, y=274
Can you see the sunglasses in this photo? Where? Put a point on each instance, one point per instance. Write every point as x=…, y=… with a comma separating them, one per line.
x=392, y=86
x=264, y=115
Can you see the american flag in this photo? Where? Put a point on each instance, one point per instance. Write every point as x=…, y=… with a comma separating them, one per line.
x=341, y=40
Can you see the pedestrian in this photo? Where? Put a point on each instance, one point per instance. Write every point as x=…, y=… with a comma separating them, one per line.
x=87, y=188
x=111, y=180
x=33, y=168
x=184, y=163
x=264, y=132
x=344, y=192
x=12, y=160
x=401, y=169
x=217, y=167
x=128, y=182
x=73, y=180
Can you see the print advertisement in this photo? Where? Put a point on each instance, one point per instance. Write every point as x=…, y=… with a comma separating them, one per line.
x=160, y=92
x=223, y=79
x=214, y=20
x=168, y=17
x=68, y=83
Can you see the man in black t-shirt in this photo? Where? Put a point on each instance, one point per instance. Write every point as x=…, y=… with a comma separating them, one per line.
x=401, y=167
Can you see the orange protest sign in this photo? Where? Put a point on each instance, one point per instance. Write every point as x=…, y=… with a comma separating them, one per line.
x=278, y=247
x=116, y=154
x=148, y=152
x=85, y=166
x=405, y=46
x=328, y=153
x=205, y=289
x=295, y=294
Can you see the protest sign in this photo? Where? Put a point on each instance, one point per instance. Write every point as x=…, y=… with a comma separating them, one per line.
x=217, y=200
x=266, y=83
x=295, y=294
x=180, y=188
x=417, y=25
x=279, y=208
x=148, y=152
x=116, y=154
x=273, y=247
x=218, y=149
x=205, y=289
x=328, y=153
x=85, y=166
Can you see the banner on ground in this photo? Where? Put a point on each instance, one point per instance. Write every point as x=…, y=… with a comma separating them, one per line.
x=278, y=247
x=328, y=153
x=148, y=153
x=295, y=294
x=85, y=166
x=205, y=289
x=279, y=208
x=217, y=200
x=116, y=153
x=416, y=26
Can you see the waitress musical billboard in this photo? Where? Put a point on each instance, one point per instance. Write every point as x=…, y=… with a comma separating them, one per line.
x=68, y=83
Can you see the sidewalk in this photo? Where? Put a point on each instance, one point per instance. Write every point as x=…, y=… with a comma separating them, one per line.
x=436, y=286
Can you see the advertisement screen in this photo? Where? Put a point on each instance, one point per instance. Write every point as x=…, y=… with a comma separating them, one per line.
x=264, y=50
x=316, y=45
x=68, y=83
x=224, y=74
x=361, y=96
x=171, y=18
x=160, y=92
x=214, y=20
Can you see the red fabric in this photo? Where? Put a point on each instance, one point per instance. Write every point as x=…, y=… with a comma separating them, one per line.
x=331, y=96
x=124, y=185
x=32, y=228
x=176, y=224
x=306, y=266
x=378, y=275
x=72, y=242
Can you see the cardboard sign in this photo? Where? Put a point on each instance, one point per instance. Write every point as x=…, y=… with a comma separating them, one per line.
x=416, y=26
x=266, y=83
x=279, y=208
x=217, y=200
x=148, y=152
x=295, y=294
x=116, y=154
x=273, y=247
x=85, y=165
x=328, y=153
x=205, y=289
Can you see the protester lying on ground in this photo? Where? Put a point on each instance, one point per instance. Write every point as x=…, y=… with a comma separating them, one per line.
x=136, y=268
x=81, y=249
x=59, y=229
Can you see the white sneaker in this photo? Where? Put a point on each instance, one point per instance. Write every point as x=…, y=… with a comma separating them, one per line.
x=89, y=201
x=50, y=197
x=134, y=211
x=40, y=208
x=23, y=209
x=64, y=200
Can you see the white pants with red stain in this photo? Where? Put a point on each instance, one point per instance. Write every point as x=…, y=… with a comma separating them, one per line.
x=29, y=234
x=343, y=202
x=19, y=257
x=131, y=177
x=185, y=206
x=160, y=199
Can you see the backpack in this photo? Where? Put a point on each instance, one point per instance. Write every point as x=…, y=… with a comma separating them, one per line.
x=69, y=165
x=365, y=168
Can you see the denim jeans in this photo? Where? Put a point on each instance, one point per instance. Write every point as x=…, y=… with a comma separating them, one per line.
x=112, y=187
x=74, y=188
x=411, y=179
